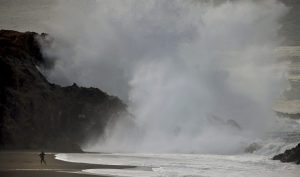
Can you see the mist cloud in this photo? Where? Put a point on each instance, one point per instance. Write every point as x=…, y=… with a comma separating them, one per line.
x=184, y=67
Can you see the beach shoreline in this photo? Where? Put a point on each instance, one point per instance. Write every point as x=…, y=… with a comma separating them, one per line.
x=27, y=164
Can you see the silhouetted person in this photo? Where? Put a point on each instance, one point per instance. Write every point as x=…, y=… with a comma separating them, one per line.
x=42, y=156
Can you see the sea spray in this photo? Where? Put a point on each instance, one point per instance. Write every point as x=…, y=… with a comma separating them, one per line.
x=191, y=72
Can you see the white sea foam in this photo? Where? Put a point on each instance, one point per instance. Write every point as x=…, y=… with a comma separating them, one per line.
x=179, y=165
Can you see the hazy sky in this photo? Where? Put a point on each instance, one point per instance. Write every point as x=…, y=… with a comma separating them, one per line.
x=25, y=15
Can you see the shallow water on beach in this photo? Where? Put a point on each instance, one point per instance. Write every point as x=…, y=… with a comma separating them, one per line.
x=180, y=165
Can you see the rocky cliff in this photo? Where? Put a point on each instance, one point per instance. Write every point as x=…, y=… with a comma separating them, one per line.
x=35, y=114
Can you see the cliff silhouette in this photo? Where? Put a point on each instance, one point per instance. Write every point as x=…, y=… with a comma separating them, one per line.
x=36, y=114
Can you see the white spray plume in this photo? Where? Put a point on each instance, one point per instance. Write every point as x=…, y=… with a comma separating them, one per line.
x=190, y=71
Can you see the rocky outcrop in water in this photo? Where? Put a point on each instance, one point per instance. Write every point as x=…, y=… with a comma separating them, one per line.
x=291, y=155
x=35, y=114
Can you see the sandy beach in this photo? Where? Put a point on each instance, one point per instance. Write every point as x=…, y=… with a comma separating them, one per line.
x=27, y=164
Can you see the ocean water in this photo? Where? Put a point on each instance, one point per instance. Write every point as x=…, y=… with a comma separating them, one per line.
x=185, y=165
x=255, y=164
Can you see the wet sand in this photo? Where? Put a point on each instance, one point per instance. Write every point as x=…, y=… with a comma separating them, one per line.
x=27, y=164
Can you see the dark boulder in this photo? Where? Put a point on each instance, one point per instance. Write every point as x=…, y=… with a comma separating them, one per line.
x=291, y=155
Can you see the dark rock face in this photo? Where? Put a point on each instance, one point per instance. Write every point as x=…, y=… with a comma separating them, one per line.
x=35, y=114
x=291, y=155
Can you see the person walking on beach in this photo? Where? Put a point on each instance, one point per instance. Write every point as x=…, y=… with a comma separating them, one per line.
x=42, y=156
